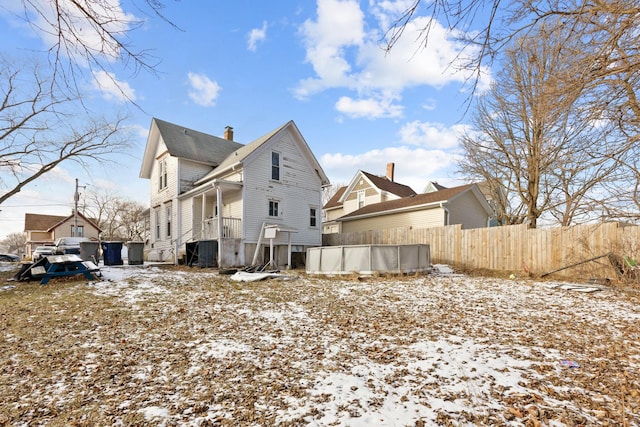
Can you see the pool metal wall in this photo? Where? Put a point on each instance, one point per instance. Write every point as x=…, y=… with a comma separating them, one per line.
x=368, y=259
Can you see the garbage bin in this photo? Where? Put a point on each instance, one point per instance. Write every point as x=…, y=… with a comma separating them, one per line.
x=89, y=251
x=112, y=253
x=136, y=253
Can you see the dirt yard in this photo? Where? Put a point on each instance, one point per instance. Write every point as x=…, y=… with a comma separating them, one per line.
x=170, y=346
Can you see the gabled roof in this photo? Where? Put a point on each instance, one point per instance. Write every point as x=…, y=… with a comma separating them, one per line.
x=244, y=152
x=37, y=222
x=185, y=143
x=433, y=186
x=412, y=202
x=334, y=201
x=385, y=184
x=382, y=183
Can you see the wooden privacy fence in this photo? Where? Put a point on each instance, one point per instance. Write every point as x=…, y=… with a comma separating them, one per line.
x=515, y=248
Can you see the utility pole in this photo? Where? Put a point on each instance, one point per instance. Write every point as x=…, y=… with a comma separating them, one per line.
x=76, y=196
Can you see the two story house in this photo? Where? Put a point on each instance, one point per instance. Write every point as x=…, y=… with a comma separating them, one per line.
x=247, y=202
x=373, y=202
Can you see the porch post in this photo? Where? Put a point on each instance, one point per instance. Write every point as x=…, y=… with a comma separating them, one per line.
x=219, y=204
x=203, y=216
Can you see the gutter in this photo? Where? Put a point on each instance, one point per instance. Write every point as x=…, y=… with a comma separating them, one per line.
x=391, y=211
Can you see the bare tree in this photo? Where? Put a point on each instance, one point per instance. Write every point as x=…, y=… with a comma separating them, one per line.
x=329, y=191
x=610, y=27
x=89, y=34
x=536, y=142
x=41, y=127
x=117, y=217
x=15, y=242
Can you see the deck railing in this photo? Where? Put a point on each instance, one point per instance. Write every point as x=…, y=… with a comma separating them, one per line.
x=231, y=228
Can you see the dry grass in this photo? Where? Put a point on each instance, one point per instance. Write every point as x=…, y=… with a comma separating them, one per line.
x=204, y=350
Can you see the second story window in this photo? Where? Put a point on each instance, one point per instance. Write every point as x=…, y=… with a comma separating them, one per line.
x=273, y=208
x=275, y=166
x=313, y=217
x=162, y=174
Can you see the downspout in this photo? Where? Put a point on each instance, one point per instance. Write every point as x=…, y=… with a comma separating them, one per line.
x=446, y=212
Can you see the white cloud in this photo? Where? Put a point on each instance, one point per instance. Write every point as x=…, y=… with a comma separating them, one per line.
x=340, y=25
x=368, y=108
x=112, y=88
x=413, y=166
x=344, y=50
x=203, y=91
x=431, y=135
x=256, y=35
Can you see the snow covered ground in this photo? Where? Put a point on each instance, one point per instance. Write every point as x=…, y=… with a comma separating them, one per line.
x=165, y=346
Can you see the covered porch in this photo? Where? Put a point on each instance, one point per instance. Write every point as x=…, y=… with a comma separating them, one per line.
x=217, y=222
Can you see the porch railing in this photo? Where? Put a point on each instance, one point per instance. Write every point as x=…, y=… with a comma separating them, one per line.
x=231, y=228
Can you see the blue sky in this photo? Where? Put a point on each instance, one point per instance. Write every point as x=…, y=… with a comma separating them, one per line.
x=318, y=63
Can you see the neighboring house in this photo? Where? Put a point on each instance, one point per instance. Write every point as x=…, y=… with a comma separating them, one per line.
x=371, y=202
x=246, y=199
x=491, y=195
x=433, y=186
x=43, y=230
x=365, y=189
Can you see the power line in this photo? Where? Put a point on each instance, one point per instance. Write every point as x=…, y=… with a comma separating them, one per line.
x=35, y=206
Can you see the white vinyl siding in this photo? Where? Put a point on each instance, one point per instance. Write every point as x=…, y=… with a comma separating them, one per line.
x=416, y=219
x=300, y=189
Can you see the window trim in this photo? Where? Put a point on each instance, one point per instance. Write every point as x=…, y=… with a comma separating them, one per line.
x=273, y=203
x=162, y=174
x=313, y=217
x=361, y=198
x=276, y=167
x=169, y=213
x=157, y=220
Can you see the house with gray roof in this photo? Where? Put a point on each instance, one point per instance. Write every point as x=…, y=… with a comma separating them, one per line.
x=230, y=204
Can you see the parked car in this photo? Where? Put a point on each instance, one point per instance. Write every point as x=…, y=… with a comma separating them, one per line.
x=42, y=251
x=69, y=245
x=9, y=258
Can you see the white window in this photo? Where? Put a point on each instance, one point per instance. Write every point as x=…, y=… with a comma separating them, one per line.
x=360, y=199
x=168, y=212
x=157, y=217
x=273, y=208
x=162, y=174
x=313, y=217
x=80, y=232
x=275, y=166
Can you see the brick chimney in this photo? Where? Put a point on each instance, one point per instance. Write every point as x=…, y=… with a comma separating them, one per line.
x=390, y=169
x=228, y=133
